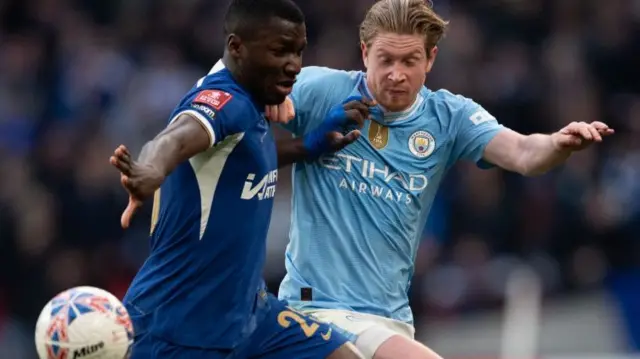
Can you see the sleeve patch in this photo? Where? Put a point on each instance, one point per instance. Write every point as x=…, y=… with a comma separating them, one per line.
x=480, y=117
x=214, y=98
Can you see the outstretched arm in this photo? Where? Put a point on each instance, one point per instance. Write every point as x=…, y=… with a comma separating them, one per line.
x=184, y=138
x=196, y=127
x=537, y=153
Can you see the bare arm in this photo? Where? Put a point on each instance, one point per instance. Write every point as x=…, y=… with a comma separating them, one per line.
x=537, y=154
x=182, y=139
x=290, y=150
x=528, y=155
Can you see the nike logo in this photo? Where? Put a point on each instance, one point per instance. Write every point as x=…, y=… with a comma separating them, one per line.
x=326, y=336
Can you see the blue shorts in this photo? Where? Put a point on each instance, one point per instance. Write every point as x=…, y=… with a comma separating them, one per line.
x=282, y=334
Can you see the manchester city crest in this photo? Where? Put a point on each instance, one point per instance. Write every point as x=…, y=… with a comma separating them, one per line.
x=422, y=144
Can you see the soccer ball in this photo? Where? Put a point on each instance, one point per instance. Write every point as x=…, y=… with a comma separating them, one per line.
x=84, y=322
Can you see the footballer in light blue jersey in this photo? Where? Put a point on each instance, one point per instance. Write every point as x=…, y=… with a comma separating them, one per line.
x=358, y=214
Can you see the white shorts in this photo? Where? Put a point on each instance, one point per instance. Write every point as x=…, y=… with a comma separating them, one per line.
x=370, y=330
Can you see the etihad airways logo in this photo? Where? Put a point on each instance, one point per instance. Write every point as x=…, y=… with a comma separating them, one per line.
x=369, y=177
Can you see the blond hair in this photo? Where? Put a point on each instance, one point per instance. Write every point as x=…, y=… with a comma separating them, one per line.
x=406, y=17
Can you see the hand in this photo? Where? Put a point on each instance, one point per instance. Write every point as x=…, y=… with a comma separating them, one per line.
x=579, y=135
x=282, y=113
x=356, y=111
x=140, y=180
x=336, y=140
x=330, y=136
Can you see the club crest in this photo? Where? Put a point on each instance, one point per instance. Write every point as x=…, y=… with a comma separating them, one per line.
x=422, y=144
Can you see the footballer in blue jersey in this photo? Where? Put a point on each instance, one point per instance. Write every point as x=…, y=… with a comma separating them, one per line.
x=358, y=214
x=213, y=172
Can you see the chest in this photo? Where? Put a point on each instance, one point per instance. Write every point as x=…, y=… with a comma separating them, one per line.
x=257, y=148
x=406, y=148
x=405, y=160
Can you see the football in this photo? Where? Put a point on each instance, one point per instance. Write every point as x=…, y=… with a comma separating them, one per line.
x=84, y=322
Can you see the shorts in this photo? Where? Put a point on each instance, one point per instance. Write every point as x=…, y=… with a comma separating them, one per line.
x=282, y=334
x=366, y=331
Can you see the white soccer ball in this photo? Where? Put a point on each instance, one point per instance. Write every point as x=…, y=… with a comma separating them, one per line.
x=84, y=322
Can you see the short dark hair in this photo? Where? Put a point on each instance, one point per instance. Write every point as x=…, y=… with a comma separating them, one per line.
x=243, y=16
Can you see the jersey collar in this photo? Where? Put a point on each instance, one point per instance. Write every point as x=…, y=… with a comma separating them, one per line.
x=217, y=67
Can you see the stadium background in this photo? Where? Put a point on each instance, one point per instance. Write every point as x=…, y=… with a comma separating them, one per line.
x=78, y=78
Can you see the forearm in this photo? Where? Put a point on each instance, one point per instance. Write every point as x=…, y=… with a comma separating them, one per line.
x=538, y=154
x=291, y=150
x=162, y=153
x=328, y=136
x=180, y=141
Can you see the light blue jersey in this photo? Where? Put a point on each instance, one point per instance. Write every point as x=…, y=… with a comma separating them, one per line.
x=358, y=214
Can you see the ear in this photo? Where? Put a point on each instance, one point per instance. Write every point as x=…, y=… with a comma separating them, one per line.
x=365, y=54
x=432, y=58
x=234, y=43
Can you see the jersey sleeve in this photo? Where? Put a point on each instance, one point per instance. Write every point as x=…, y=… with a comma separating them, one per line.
x=218, y=111
x=475, y=128
x=317, y=89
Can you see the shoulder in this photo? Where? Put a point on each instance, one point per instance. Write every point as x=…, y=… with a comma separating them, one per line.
x=455, y=107
x=221, y=103
x=316, y=90
x=446, y=100
x=316, y=81
x=220, y=95
x=313, y=74
x=222, y=91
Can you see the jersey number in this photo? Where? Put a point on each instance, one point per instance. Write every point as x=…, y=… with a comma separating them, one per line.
x=286, y=317
x=155, y=211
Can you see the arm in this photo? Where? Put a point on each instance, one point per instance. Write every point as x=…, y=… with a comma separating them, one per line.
x=182, y=139
x=328, y=136
x=528, y=155
x=195, y=127
x=291, y=150
x=536, y=154
x=480, y=137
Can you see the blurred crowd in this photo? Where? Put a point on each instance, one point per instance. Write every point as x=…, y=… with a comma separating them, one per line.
x=78, y=78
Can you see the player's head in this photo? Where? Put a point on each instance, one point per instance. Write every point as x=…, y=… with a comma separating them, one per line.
x=265, y=40
x=398, y=40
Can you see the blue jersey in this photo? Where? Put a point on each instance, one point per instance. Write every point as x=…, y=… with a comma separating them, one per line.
x=358, y=214
x=200, y=285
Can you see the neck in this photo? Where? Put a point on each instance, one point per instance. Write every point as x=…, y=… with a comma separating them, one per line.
x=238, y=76
x=233, y=68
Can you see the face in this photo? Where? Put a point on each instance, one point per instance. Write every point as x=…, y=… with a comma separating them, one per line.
x=271, y=59
x=397, y=66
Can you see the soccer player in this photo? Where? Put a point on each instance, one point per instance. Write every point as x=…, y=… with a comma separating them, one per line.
x=358, y=214
x=213, y=170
